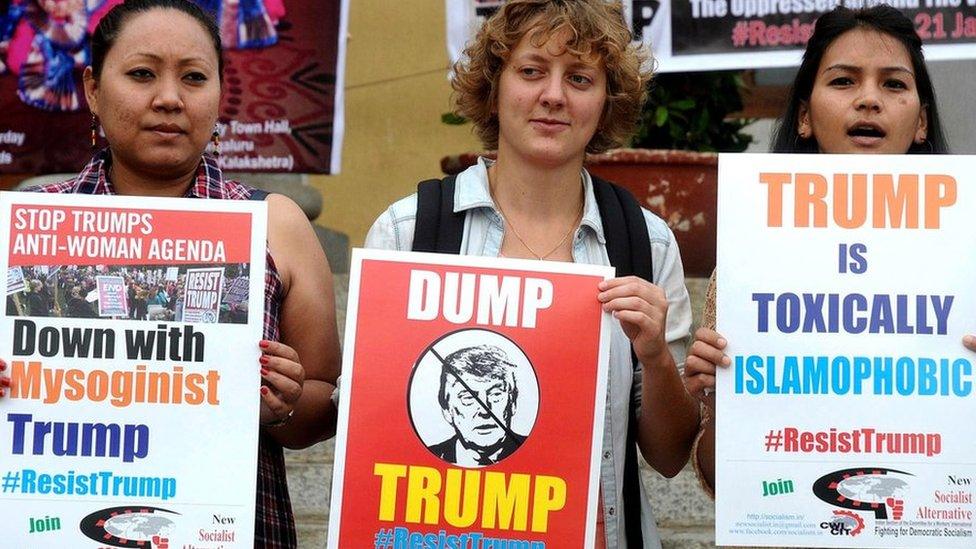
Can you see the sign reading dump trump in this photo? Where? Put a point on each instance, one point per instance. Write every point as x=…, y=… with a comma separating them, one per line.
x=472, y=408
x=845, y=286
x=121, y=430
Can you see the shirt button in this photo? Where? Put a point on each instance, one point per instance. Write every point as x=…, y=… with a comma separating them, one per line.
x=610, y=511
x=607, y=454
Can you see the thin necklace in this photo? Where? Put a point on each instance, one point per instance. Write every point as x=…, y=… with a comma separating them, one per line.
x=579, y=217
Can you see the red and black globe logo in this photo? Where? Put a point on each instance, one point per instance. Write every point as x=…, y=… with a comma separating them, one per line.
x=876, y=490
x=134, y=526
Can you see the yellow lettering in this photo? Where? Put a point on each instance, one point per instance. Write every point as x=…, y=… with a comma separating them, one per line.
x=550, y=495
x=456, y=513
x=507, y=503
x=423, y=485
x=390, y=475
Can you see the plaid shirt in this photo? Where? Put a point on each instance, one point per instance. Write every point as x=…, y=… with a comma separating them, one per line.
x=274, y=523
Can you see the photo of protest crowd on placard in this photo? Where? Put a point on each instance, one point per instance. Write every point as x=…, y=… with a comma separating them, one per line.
x=199, y=294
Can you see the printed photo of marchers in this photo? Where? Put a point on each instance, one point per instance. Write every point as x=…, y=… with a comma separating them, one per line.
x=204, y=294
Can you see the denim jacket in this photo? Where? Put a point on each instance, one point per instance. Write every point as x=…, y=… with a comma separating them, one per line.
x=483, y=234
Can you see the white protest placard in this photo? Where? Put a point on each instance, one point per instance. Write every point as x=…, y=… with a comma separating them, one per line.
x=121, y=432
x=15, y=280
x=201, y=295
x=845, y=286
x=112, y=296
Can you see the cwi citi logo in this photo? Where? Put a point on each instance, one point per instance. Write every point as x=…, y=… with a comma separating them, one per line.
x=874, y=490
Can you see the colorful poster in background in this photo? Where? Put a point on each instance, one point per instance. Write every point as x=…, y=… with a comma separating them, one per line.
x=698, y=35
x=236, y=291
x=282, y=108
x=845, y=286
x=468, y=418
x=202, y=295
x=15, y=280
x=127, y=432
x=112, y=296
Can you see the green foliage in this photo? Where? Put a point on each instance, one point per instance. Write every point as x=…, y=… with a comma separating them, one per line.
x=452, y=119
x=688, y=111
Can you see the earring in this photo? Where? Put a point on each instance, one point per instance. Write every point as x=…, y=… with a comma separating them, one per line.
x=803, y=134
x=215, y=141
x=94, y=132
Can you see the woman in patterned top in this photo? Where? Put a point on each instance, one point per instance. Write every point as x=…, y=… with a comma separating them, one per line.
x=155, y=84
x=863, y=88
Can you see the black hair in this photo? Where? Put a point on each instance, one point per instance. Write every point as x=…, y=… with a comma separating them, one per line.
x=111, y=25
x=830, y=26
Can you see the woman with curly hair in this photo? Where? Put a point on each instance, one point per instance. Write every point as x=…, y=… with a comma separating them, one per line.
x=545, y=82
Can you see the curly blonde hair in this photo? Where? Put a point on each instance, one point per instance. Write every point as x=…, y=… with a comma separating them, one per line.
x=597, y=27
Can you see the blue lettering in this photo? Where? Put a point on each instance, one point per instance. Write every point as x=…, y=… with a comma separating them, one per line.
x=738, y=374
x=791, y=376
x=862, y=371
x=927, y=384
x=762, y=312
x=840, y=375
x=788, y=313
x=881, y=321
x=813, y=320
x=962, y=368
x=942, y=308
x=901, y=305
x=815, y=375
x=131, y=442
x=883, y=375
x=19, y=421
x=905, y=380
x=852, y=303
x=833, y=309
x=754, y=365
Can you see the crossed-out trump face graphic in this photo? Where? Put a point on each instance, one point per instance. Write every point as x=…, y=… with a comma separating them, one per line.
x=479, y=395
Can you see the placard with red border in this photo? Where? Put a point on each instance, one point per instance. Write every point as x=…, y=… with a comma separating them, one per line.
x=410, y=469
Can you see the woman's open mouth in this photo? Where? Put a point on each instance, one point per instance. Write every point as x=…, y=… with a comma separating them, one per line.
x=866, y=134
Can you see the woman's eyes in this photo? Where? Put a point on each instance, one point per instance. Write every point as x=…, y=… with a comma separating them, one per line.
x=140, y=74
x=577, y=79
x=194, y=77
x=892, y=83
x=580, y=79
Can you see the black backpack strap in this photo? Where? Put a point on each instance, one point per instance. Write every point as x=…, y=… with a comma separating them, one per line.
x=629, y=250
x=258, y=194
x=628, y=245
x=438, y=229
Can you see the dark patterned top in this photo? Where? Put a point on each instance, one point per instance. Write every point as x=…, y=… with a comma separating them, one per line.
x=274, y=523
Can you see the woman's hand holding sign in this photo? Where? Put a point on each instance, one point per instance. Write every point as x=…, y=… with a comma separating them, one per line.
x=4, y=380
x=668, y=417
x=705, y=356
x=969, y=341
x=642, y=309
x=283, y=378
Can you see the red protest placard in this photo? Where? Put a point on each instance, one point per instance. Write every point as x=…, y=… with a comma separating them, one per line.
x=472, y=405
x=90, y=235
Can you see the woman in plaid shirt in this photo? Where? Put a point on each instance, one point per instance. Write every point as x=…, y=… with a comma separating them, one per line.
x=154, y=85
